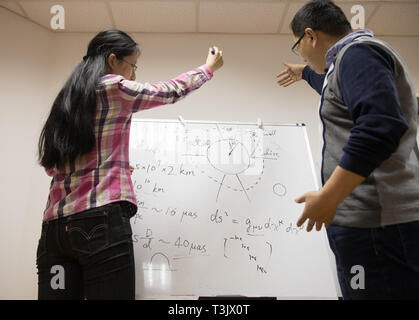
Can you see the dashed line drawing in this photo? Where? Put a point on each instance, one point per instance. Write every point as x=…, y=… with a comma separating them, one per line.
x=221, y=155
x=236, y=158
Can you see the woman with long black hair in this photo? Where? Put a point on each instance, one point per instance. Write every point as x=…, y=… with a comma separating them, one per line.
x=85, y=250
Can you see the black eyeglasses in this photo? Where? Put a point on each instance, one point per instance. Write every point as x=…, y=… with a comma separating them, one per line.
x=134, y=66
x=295, y=46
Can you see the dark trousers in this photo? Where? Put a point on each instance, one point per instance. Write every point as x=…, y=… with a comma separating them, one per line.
x=377, y=263
x=88, y=255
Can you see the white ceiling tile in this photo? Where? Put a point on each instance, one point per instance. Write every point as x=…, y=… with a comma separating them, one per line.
x=240, y=17
x=13, y=6
x=389, y=17
x=154, y=16
x=80, y=16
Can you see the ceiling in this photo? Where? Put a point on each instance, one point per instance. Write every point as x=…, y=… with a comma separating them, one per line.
x=396, y=17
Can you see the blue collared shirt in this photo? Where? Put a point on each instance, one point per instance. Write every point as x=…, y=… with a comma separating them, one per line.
x=333, y=51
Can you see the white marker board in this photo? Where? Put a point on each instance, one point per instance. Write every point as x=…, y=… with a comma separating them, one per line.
x=216, y=211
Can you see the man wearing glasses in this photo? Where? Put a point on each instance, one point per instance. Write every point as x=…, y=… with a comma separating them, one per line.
x=369, y=201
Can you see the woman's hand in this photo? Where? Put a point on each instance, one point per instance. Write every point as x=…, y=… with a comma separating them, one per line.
x=293, y=73
x=215, y=61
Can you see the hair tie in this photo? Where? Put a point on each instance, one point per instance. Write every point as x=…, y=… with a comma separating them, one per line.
x=85, y=58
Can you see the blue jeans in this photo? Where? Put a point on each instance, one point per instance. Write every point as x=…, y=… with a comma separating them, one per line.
x=88, y=255
x=377, y=263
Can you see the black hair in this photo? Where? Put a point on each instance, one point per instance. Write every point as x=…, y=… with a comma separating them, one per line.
x=322, y=15
x=69, y=131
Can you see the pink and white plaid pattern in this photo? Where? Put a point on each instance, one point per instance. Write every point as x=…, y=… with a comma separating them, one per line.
x=102, y=176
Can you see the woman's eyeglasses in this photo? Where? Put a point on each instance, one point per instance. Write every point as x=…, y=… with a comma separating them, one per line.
x=134, y=66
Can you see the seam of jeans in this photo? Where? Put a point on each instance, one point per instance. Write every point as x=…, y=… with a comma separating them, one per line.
x=345, y=286
x=43, y=239
x=58, y=235
x=373, y=242
x=380, y=257
x=403, y=246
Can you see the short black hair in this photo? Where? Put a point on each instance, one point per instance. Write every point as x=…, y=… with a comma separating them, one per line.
x=322, y=15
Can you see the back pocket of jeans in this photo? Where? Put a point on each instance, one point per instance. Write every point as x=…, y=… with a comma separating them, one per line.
x=88, y=233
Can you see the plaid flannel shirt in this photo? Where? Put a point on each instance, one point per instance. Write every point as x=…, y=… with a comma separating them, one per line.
x=102, y=176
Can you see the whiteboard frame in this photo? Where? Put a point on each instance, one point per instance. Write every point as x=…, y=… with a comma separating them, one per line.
x=219, y=122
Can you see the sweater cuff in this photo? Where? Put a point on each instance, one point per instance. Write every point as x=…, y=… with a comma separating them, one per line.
x=207, y=70
x=306, y=72
x=358, y=165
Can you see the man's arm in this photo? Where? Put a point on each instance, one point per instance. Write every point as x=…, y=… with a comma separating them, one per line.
x=296, y=72
x=366, y=75
x=314, y=79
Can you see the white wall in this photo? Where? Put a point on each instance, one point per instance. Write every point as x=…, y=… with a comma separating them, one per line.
x=24, y=96
x=34, y=64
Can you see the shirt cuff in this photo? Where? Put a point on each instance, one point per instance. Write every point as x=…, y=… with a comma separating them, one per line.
x=207, y=70
x=358, y=165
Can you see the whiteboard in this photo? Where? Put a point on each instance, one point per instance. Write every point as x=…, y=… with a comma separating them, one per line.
x=216, y=212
